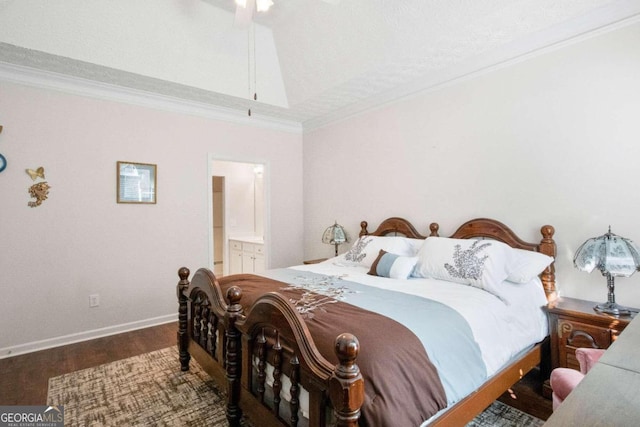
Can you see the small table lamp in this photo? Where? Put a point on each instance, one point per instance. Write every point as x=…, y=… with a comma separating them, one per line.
x=613, y=256
x=334, y=235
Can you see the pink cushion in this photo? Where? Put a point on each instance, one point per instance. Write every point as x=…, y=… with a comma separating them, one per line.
x=587, y=357
x=563, y=380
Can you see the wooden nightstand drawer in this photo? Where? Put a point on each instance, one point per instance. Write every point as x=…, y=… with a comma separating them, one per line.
x=573, y=335
x=577, y=334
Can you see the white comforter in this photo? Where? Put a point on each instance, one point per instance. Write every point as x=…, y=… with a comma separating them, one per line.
x=502, y=328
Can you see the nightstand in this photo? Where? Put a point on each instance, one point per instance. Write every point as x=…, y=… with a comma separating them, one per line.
x=573, y=323
x=314, y=261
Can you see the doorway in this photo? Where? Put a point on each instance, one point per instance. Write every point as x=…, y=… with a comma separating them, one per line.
x=218, y=224
x=238, y=215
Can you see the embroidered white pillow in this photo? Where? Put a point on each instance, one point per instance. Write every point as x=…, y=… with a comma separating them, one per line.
x=479, y=263
x=525, y=265
x=393, y=266
x=365, y=250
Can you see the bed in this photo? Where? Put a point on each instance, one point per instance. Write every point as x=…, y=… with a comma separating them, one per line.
x=307, y=346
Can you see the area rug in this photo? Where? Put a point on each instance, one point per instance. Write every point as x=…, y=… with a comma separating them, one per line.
x=150, y=390
x=502, y=415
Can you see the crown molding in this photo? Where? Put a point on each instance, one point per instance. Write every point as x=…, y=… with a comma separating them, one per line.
x=42, y=79
x=39, y=69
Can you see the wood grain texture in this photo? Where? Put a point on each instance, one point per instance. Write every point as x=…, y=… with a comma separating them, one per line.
x=24, y=378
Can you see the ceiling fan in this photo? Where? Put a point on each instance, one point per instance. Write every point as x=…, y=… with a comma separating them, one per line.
x=245, y=10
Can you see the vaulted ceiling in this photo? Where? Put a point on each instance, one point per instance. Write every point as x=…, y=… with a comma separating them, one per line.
x=315, y=61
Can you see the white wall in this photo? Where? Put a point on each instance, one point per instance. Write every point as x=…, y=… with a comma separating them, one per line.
x=81, y=242
x=550, y=140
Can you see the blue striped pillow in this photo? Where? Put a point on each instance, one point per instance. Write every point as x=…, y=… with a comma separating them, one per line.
x=392, y=265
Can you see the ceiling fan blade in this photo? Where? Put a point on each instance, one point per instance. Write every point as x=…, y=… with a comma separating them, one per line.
x=244, y=15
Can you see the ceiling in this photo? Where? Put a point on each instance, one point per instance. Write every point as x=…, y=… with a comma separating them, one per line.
x=317, y=62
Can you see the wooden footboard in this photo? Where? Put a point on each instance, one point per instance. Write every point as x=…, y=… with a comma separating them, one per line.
x=242, y=348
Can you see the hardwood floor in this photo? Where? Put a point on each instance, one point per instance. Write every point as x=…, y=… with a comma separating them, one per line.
x=526, y=395
x=24, y=379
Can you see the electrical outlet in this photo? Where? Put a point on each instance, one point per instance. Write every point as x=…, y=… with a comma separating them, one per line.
x=94, y=300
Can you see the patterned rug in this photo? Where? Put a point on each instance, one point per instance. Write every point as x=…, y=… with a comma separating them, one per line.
x=150, y=390
x=499, y=414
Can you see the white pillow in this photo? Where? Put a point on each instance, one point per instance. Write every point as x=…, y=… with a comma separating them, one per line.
x=365, y=250
x=416, y=244
x=479, y=263
x=393, y=266
x=525, y=265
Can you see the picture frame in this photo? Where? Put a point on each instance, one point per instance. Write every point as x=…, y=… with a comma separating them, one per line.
x=136, y=182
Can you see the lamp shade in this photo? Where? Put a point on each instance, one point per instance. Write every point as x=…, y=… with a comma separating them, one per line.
x=614, y=256
x=334, y=235
x=608, y=253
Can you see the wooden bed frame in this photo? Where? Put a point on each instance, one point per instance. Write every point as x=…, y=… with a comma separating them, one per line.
x=234, y=344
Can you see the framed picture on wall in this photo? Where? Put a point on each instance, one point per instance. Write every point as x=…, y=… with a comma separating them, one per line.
x=136, y=182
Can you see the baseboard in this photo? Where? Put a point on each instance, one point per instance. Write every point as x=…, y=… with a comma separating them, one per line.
x=85, y=336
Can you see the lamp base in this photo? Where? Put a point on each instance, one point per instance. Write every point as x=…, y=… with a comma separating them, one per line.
x=612, y=308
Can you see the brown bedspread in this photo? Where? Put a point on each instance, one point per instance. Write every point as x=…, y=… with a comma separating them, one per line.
x=402, y=387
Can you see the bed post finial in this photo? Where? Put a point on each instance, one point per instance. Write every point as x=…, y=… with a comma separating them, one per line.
x=548, y=247
x=183, y=273
x=363, y=229
x=434, y=227
x=233, y=356
x=234, y=295
x=183, y=336
x=346, y=386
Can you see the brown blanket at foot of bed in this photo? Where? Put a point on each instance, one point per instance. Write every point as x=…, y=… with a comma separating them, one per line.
x=402, y=387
